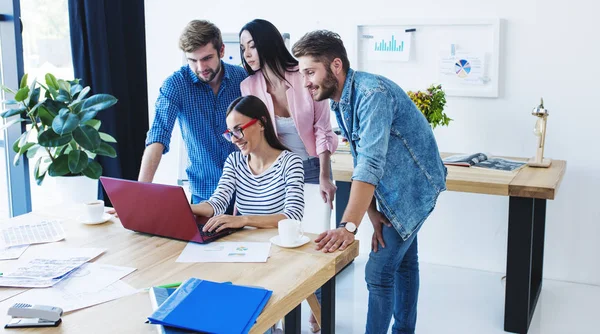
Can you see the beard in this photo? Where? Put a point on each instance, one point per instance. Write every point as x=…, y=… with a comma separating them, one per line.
x=327, y=87
x=211, y=75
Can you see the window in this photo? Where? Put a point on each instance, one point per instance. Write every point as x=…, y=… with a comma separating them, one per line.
x=14, y=196
x=46, y=49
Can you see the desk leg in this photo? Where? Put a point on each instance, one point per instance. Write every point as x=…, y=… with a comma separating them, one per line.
x=525, y=260
x=293, y=320
x=342, y=195
x=328, y=307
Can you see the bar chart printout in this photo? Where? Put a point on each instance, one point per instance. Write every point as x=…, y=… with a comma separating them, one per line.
x=392, y=45
x=389, y=46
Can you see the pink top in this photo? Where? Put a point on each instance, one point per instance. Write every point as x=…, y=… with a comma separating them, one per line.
x=310, y=117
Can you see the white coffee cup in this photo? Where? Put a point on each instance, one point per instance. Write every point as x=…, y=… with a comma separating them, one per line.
x=290, y=231
x=94, y=210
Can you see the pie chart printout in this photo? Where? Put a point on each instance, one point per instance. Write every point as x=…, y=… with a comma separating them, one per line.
x=462, y=68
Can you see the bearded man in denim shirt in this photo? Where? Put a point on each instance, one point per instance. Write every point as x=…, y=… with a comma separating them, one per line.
x=398, y=174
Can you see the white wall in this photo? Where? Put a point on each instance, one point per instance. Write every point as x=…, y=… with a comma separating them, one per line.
x=549, y=49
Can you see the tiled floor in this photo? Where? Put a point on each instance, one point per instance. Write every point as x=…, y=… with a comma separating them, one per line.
x=455, y=300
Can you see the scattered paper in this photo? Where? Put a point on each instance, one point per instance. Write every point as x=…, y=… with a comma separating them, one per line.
x=31, y=233
x=69, y=301
x=12, y=252
x=93, y=277
x=17, y=282
x=50, y=269
x=9, y=293
x=226, y=252
x=89, y=285
x=46, y=268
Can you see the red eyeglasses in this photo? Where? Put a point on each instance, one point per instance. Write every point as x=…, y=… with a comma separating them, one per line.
x=238, y=132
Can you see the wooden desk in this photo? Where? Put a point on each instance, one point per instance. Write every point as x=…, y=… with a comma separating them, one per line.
x=292, y=274
x=528, y=190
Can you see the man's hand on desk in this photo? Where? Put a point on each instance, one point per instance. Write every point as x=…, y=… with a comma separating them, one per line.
x=332, y=240
x=221, y=222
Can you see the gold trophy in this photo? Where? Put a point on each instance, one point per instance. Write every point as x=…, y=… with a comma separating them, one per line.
x=540, y=131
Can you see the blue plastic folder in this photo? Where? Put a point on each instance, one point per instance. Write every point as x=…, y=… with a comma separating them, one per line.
x=212, y=307
x=158, y=296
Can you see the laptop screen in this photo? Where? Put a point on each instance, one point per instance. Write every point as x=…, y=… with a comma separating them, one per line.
x=153, y=208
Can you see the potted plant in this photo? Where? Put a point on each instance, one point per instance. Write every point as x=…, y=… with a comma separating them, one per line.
x=431, y=103
x=62, y=134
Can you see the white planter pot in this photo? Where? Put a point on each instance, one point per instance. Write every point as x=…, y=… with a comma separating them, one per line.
x=76, y=189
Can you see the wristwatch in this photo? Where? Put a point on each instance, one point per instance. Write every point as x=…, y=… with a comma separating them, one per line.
x=350, y=227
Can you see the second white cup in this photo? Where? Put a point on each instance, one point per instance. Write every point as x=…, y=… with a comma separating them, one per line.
x=290, y=231
x=94, y=210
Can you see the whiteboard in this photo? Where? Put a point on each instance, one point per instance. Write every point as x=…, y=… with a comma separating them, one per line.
x=461, y=54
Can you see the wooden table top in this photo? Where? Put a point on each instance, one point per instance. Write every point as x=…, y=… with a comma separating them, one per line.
x=292, y=274
x=529, y=182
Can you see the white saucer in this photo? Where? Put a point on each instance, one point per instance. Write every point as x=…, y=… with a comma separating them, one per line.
x=303, y=240
x=105, y=217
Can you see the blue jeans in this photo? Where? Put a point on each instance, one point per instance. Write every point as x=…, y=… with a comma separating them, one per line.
x=392, y=276
x=312, y=170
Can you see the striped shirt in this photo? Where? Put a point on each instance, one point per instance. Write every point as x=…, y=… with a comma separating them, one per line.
x=201, y=117
x=279, y=189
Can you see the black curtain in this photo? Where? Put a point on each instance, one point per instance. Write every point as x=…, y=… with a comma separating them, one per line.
x=108, y=43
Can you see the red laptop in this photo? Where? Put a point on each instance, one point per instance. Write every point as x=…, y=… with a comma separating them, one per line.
x=157, y=209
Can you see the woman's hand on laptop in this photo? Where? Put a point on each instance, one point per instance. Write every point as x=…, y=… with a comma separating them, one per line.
x=219, y=223
x=113, y=212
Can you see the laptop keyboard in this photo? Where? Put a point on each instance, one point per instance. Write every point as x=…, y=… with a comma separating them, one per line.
x=207, y=233
x=210, y=236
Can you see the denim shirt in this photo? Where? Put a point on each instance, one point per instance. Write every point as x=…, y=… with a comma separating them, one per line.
x=393, y=148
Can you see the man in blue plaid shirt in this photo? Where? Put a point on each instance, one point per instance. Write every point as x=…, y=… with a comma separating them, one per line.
x=197, y=95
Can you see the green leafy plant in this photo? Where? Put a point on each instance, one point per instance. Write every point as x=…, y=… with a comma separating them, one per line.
x=61, y=130
x=431, y=103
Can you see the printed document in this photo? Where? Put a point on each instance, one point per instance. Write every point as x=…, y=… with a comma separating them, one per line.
x=89, y=285
x=31, y=233
x=49, y=268
x=12, y=252
x=226, y=252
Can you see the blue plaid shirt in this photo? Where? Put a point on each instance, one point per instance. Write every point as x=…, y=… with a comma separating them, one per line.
x=201, y=117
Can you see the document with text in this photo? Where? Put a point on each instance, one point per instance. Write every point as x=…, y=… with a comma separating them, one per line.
x=90, y=284
x=49, y=268
x=226, y=252
x=31, y=233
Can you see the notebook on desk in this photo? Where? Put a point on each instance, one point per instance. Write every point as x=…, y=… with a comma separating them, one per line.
x=157, y=209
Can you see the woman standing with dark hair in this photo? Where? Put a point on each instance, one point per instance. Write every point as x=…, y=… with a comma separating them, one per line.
x=266, y=178
x=301, y=124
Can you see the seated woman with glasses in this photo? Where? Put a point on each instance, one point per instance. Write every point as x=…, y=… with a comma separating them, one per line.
x=265, y=177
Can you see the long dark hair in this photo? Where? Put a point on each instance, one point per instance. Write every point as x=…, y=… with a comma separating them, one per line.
x=270, y=47
x=253, y=107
